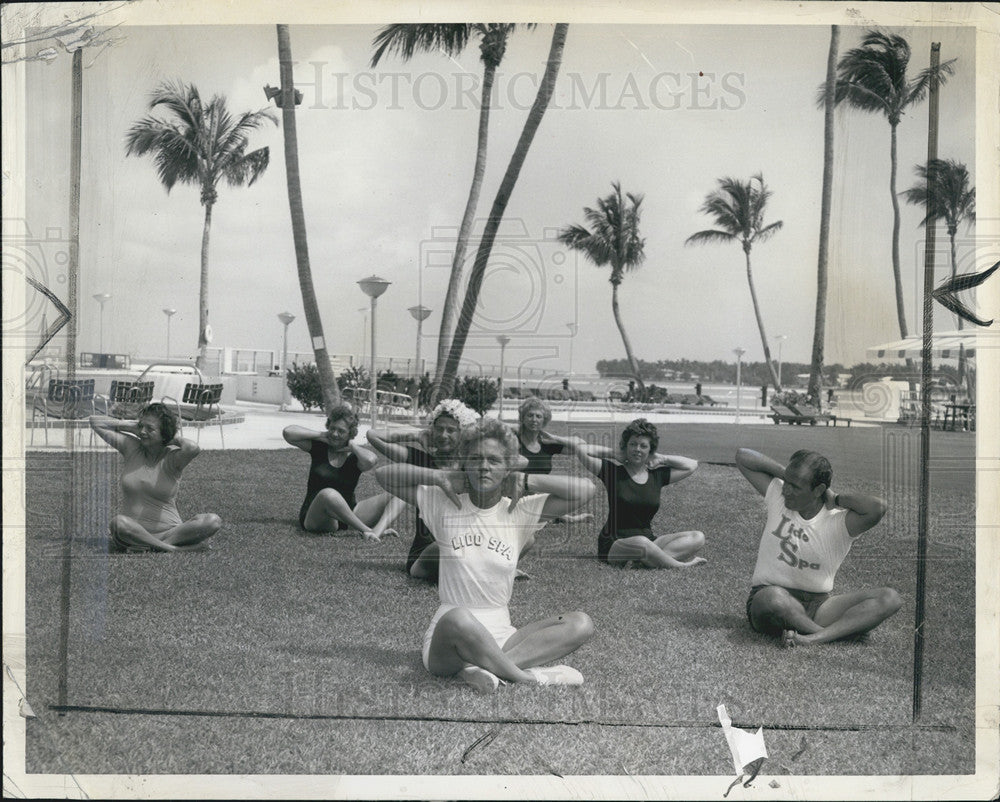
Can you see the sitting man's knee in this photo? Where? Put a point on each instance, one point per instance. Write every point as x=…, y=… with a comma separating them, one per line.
x=890, y=600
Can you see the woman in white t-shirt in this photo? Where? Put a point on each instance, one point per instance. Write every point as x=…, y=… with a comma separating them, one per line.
x=479, y=532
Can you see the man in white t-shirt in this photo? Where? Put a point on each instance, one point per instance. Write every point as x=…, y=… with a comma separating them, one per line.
x=808, y=533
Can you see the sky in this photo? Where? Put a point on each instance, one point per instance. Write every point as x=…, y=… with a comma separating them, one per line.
x=386, y=157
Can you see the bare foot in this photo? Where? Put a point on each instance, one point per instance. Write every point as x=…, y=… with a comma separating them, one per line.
x=370, y=536
x=390, y=533
x=788, y=637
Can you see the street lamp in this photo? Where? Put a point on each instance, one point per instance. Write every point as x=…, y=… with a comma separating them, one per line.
x=503, y=340
x=420, y=314
x=373, y=287
x=286, y=318
x=781, y=338
x=169, y=313
x=572, y=335
x=102, y=298
x=739, y=364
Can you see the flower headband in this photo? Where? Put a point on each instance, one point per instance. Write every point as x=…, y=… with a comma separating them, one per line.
x=456, y=409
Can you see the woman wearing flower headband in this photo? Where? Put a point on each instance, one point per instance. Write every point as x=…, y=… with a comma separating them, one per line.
x=432, y=447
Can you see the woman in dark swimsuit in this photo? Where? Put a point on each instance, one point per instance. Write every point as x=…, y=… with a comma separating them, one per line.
x=633, y=485
x=337, y=465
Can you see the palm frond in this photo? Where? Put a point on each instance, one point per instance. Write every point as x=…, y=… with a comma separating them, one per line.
x=709, y=236
x=407, y=39
x=246, y=170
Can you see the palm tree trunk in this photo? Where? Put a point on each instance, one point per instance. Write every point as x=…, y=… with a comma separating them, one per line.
x=328, y=382
x=897, y=277
x=464, y=231
x=538, y=108
x=633, y=363
x=202, y=359
x=760, y=323
x=819, y=326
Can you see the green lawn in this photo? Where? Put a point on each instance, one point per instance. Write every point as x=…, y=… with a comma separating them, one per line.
x=284, y=652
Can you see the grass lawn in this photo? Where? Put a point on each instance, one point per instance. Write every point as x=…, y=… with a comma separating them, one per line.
x=281, y=652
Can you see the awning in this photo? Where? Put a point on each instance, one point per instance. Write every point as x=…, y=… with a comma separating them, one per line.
x=944, y=345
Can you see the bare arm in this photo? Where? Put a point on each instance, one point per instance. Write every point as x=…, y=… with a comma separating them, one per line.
x=116, y=433
x=367, y=459
x=186, y=451
x=566, y=493
x=585, y=454
x=301, y=437
x=863, y=512
x=402, y=481
x=758, y=469
x=680, y=467
x=387, y=443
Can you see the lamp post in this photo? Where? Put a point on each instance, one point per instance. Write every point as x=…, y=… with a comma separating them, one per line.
x=572, y=336
x=286, y=318
x=102, y=298
x=373, y=287
x=739, y=364
x=420, y=314
x=169, y=313
x=781, y=338
x=503, y=340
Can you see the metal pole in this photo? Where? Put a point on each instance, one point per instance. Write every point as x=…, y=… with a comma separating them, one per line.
x=284, y=370
x=739, y=363
x=925, y=393
x=372, y=377
x=503, y=340
x=417, y=374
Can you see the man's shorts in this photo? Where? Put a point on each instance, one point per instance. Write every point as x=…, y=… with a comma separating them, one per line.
x=809, y=600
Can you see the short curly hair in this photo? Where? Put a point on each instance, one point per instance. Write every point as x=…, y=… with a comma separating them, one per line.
x=532, y=403
x=453, y=408
x=169, y=423
x=487, y=429
x=640, y=427
x=345, y=412
x=820, y=470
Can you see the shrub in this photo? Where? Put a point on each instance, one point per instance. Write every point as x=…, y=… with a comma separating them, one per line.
x=303, y=384
x=476, y=392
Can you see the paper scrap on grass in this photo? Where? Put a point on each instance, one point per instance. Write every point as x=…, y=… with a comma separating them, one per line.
x=746, y=747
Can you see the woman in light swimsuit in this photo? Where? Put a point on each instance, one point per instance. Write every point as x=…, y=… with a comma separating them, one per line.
x=155, y=455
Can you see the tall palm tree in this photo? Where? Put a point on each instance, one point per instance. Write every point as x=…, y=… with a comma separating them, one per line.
x=286, y=101
x=945, y=194
x=507, y=184
x=822, y=263
x=612, y=238
x=738, y=209
x=199, y=143
x=872, y=78
x=408, y=39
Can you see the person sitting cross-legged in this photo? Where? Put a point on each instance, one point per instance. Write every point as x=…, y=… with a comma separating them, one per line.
x=154, y=455
x=479, y=532
x=808, y=533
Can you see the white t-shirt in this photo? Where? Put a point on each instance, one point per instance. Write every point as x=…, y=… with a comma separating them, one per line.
x=798, y=553
x=478, y=547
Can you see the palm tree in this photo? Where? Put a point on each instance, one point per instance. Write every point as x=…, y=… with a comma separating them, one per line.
x=507, y=184
x=945, y=193
x=199, y=144
x=408, y=39
x=738, y=209
x=872, y=78
x=286, y=101
x=819, y=326
x=612, y=238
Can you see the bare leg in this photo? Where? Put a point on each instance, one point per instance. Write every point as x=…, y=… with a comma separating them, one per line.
x=327, y=509
x=549, y=639
x=641, y=549
x=426, y=565
x=775, y=608
x=380, y=511
x=850, y=614
x=459, y=640
x=129, y=533
x=192, y=532
x=681, y=545
x=578, y=517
